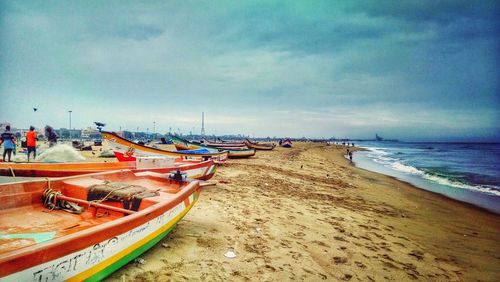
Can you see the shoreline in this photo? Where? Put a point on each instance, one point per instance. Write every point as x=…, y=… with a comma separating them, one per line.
x=414, y=186
x=472, y=197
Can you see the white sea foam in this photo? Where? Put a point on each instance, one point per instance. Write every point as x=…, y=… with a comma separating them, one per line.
x=381, y=157
x=406, y=168
x=60, y=153
x=457, y=184
x=378, y=151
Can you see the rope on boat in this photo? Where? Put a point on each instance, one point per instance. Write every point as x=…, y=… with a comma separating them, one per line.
x=12, y=171
x=130, y=195
x=51, y=201
x=106, y=182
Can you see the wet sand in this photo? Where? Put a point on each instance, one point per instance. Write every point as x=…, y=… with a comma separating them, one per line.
x=307, y=214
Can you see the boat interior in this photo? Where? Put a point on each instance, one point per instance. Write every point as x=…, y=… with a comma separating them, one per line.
x=38, y=211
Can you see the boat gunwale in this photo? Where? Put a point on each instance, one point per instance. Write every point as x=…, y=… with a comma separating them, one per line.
x=74, y=171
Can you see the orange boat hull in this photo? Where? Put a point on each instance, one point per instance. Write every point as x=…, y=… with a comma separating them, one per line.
x=90, y=245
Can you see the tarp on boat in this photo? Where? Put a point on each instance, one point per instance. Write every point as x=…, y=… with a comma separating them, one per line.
x=196, y=151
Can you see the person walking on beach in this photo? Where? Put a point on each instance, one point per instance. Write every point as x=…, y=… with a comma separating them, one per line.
x=8, y=141
x=350, y=156
x=31, y=142
x=51, y=135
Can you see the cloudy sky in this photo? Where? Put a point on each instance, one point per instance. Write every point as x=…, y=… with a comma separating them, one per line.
x=413, y=70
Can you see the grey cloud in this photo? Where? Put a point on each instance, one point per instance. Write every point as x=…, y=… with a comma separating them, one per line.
x=138, y=32
x=259, y=57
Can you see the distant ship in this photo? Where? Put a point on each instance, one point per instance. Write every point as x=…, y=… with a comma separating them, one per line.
x=379, y=138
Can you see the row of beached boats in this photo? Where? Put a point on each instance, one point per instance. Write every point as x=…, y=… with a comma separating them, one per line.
x=95, y=217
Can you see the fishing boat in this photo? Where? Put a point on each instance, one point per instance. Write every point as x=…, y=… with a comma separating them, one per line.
x=223, y=144
x=240, y=153
x=193, y=169
x=233, y=153
x=86, y=227
x=259, y=146
x=127, y=147
x=286, y=143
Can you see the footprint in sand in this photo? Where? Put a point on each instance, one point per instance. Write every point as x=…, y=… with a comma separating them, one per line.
x=299, y=234
x=295, y=255
x=347, y=277
x=285, y=243
x=378, y=235
x=339, y=260
x=411, y=270
x=339, y=238
x=360, y=264
x=323, y=244
x=399, y=244
x=419, y=255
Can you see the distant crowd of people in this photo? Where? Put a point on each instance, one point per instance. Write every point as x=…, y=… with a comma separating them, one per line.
x=8, y=139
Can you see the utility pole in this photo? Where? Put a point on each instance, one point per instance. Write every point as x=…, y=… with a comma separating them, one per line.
x=70, y=111
x=202, y=124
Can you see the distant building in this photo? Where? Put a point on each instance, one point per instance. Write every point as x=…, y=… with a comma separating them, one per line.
x=90, y=133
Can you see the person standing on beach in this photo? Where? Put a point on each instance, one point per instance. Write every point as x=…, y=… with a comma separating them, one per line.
x=51, y=135
x=8, y=141
x=350, y=156
x=31, y=142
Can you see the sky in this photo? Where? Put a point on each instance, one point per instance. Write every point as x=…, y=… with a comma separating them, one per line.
x=411, y=70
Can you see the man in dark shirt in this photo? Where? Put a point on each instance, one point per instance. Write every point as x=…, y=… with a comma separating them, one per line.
x=8, y=141
x=51, y=135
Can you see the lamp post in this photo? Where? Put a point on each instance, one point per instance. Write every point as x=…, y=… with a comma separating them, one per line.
x=154, y=129
x=70, y=111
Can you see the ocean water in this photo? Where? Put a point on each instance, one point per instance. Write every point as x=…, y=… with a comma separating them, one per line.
x=468, y=172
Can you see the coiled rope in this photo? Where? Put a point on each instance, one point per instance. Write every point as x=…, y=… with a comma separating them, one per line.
x=51, y=201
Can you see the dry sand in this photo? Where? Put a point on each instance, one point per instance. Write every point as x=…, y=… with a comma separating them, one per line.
x=306, y=214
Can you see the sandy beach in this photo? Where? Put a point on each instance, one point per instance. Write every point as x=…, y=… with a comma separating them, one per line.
x=307, y=214
x=414, y=84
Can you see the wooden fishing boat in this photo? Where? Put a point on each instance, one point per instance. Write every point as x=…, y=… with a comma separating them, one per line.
x=223, y=144
x=259, y=146
x=286, y=143
x=193, y=169
x=225, y=147
x=127, y=147
x=232, y=152
x=183, y=144
x=86, y=227
x=241, y=153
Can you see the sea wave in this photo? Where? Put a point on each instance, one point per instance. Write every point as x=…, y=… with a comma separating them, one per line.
x=492, y=190
x=378, y=151
x=384, y=158
x=406, y=168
